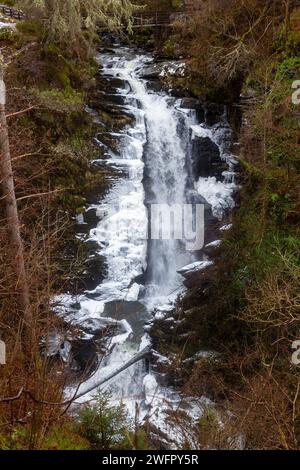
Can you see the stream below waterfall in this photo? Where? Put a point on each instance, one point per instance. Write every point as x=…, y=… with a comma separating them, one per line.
x=156, y=162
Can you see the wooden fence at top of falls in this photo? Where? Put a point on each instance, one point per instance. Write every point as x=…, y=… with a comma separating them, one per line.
x=159, y=18
x=12, y=12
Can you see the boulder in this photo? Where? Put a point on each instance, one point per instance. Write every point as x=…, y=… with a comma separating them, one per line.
x=116, y=99
x=151, y=72
x=186, y=271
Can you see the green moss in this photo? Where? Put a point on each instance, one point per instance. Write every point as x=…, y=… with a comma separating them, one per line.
x=176, y=3
x=208, y=418
x=54, y=99
x=64, y=79
x=31, y=28
x=8, y=35
x=289, y=68
x=138, y=440
x=65, y=437
x=62, y=436
x=170, y=47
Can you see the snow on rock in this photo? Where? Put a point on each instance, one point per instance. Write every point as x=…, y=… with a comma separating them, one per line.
x=194, y=267
x=226, y=227
x=145, y=342
x=133, y=293
x=160, y=316
x=121, y=338
x=160, y=359
x=218, y=194
x=7, y=25
x=91, y=308
x=150, y=388
x=174, y=432
x=80, y=219
x=214, y=244
x=200, y=131
x=173, y=68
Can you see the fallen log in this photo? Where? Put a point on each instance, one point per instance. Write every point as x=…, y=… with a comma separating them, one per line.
x=138, y=357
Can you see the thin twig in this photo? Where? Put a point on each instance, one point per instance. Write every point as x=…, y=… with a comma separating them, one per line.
x=21, y=112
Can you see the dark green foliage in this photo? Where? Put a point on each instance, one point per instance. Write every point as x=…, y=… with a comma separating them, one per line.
x=103, y=424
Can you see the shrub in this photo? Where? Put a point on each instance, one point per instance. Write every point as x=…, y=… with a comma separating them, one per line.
x=289, y=68
x=103, y=425
x=8, y=34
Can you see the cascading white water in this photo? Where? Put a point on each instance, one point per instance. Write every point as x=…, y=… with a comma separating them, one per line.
x=165, y=159
x=155, y=145
x=122, y=233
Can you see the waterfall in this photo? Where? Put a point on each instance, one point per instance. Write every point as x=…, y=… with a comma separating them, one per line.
x=167, y=176
x=154, y=155
x=154, y=147
x=156, y=141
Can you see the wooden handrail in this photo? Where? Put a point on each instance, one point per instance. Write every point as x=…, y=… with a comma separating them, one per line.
x=12, y=12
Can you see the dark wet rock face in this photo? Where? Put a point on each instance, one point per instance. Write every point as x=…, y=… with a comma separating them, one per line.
x=206, y=159
x=194, y=104
x=85, y=357
x=210, y=222
x=213, y=113
x=155, y=86
x=109, y=104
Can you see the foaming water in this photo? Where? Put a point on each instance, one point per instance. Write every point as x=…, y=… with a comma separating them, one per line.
x=122, y=233
x=141, y=274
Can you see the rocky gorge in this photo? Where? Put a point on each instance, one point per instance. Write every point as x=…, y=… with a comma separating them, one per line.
x=149, y=288
x=122, y=309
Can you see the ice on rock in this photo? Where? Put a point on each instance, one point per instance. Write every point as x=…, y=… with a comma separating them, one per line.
x=194, y=267
x=224, y=228
x=150, y=388
x=201, y=131
x=217, y=193
x=214, y=244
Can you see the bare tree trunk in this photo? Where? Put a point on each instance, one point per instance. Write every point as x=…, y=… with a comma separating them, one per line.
x=13, y=223
x=287, y=21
